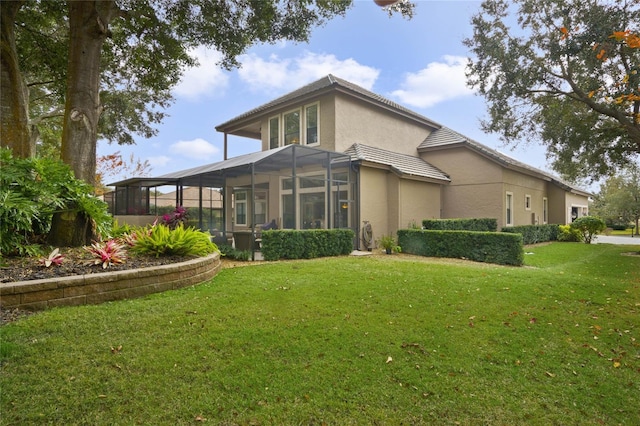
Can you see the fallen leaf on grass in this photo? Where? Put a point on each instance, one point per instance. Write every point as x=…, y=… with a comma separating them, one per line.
x=389, y=359
x=616, y=364
x=200, y=419
x=116, y=350
x=550, y=374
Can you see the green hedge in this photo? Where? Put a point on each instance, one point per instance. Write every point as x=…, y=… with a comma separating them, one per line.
x=490, y=247
x=306, y=244
x=533, y=234
x=472, y=224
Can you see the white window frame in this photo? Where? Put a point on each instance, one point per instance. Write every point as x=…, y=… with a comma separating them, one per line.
x=306, y=107
x=284, y=126
x=509, y=213
x=545, y=210
x=302, y=131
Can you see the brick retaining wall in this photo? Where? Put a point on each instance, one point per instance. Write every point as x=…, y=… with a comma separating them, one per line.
x=107, y=286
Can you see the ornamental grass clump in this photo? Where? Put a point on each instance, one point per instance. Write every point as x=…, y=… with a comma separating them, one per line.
x=161, y=240
x=107, y=253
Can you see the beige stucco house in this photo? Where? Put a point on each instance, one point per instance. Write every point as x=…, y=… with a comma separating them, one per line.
x=336, y=155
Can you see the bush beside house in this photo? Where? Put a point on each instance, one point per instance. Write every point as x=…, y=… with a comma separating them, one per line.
x=533, y=234
x=306, y=244
x=472, y=224
x=490, y=247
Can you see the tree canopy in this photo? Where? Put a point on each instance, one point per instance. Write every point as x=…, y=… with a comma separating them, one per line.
x=566, y=72
x=618, y=201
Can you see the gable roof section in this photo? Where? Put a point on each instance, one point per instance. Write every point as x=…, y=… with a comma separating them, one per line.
x=402, y=164
x=317, y=88
x=445, y=138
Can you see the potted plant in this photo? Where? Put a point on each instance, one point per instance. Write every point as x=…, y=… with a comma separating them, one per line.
x=388, y=243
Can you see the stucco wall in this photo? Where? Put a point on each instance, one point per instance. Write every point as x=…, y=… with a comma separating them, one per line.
x=359, y=122
x=390, y=203
x=417, y=201
x=374, y=202
x=476, y=188
x=521, y=186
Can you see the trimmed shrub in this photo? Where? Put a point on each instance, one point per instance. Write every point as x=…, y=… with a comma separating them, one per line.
x=490, y=247
x=232, y=253
x=306, y=244
x=566, y=234
x=472, y=224
x=588, y=227
x=532, y=234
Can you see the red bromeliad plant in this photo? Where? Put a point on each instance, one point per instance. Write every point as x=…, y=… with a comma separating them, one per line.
x=108, y=253
x=175, y=218
x=54, y=258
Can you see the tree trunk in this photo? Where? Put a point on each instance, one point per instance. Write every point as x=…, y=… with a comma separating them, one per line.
x=14, y=110
x=88, y=28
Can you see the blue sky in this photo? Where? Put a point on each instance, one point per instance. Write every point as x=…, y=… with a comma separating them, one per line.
x=417, y=63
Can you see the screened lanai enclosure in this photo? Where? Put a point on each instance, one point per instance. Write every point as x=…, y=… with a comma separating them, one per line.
x=292, y=187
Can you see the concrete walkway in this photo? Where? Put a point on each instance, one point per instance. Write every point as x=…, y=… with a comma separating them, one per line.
x=617, y=239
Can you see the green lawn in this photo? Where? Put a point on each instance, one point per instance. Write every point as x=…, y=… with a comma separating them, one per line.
x=382, y=340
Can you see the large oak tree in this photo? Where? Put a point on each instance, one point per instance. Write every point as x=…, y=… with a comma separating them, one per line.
x=553, y=70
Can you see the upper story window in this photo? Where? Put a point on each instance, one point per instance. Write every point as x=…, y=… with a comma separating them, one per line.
x=274, y=132
x=311, y=116
x=545, y=210
x=527, y=202
x=295, y=127
x=292, y=127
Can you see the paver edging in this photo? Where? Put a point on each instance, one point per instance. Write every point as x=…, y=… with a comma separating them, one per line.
x=107, y=286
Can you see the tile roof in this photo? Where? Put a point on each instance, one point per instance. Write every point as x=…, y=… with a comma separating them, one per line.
x=403, y=164
x=327, y=83
x=445, y=137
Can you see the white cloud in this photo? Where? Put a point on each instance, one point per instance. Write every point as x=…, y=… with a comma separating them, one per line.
x=159, y=161
x=206, y=79
x=198, y=149
x=439, y=81
x=280, y=74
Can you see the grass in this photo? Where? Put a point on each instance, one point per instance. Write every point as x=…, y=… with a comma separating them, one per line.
x=351, y=340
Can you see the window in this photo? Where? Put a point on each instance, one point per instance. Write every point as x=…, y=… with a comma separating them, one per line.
x=274, y=133
x=295, y=127
x=527, y=202
x=292, y=128
x=310, y=207
x=241, y=207
x=545, y=210
x=509, y=205
x=311, y=119
x=260, y=214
